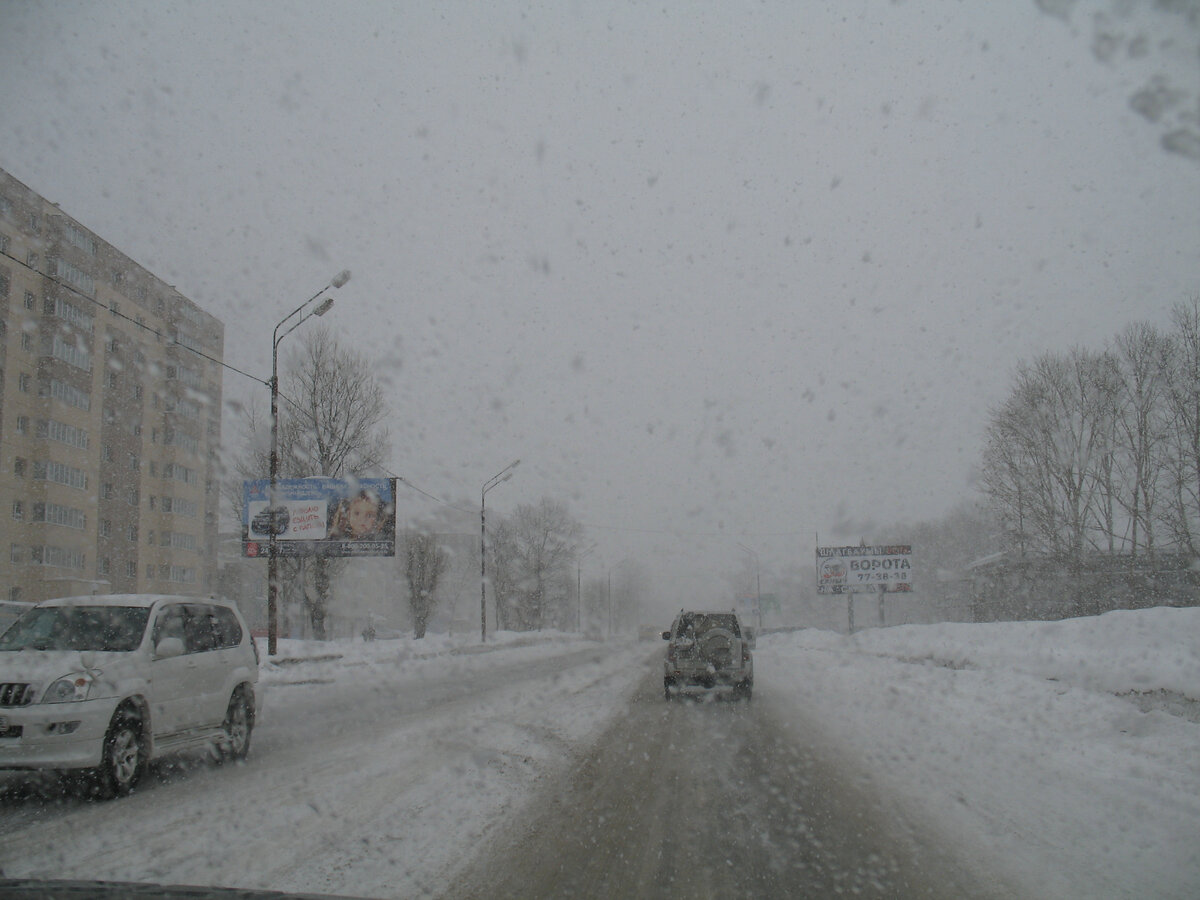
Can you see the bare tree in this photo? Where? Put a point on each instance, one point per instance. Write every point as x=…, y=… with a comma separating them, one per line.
x=503, y=566
x=330, y=424
x=1140, y=430
x=540, y=543
x=1045, y=444
x=425, y=563
x=1181, y=456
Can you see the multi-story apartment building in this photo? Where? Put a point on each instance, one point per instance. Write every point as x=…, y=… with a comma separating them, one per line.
x=110, y=416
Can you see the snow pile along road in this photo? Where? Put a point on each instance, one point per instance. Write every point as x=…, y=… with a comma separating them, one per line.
x=1066, y=754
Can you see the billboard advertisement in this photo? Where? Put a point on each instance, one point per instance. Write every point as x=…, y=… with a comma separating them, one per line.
x=859, y=570
x=320, y=517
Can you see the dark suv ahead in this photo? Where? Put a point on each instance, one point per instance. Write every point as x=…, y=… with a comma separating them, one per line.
x=709, y=651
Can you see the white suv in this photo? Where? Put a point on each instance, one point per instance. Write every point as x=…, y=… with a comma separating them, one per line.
x=106, y=683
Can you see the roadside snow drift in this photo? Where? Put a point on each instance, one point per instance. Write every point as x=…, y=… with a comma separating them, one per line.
x=1066, y=753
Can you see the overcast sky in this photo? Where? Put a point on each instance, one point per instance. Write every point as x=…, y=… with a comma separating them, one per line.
x=718, y=273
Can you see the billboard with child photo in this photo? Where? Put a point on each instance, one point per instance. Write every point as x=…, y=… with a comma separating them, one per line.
x=320, y=517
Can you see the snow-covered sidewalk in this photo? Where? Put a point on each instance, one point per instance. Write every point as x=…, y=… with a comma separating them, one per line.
x=1066, y=754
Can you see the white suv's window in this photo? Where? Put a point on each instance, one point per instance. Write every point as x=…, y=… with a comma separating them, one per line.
x=229, y=630
x=105, y=628
x=170, y=624
x=200, y=629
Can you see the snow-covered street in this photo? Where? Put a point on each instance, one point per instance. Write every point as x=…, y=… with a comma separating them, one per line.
x=1064, y=758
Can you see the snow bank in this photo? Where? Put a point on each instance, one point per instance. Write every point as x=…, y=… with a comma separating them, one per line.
x=1065, y=753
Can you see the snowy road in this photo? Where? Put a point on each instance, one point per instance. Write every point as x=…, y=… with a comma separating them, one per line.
x=712, y=799
x=367, y=778
x=1035, y=759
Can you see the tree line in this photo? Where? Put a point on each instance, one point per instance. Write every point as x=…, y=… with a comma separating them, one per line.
x=1097, y=452
x=331, y=423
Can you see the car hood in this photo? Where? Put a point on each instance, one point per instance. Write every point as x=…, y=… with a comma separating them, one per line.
x=44, y=666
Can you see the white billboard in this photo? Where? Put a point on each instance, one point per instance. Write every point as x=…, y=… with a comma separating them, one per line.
x=860, y=570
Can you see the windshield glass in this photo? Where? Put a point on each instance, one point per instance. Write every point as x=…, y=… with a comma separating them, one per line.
x=110, y=628
x=441, y=355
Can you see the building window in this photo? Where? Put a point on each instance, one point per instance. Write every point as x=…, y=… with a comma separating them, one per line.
x=19, y=467
x=105, y=566
x=131, y=497
x=80, y=238
x=105, y=528
x=18, y=510
x=106, y=491
x=182, y=575
x=26, y=341
x=178, y=540
x=70, y=353
x=22, y=424
x=70, y=395
x=54, y=514
x=131, y=569
x=15, y=595
x=131, y=533
x=71, y=313
x=24, y=382
x=60, y=473
x=30, y=300
x=77, y=278
x=63, y=433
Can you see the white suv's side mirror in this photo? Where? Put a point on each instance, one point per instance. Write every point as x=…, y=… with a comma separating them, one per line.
x=169, y=647
x=751, y=636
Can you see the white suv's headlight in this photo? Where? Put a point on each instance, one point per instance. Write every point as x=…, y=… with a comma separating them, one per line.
x=68, y=689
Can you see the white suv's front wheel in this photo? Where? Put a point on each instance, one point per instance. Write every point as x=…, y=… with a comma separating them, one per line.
x=124, y=758
x=239, y=723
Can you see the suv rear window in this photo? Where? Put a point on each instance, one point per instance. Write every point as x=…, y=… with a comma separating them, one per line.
x=699, y=623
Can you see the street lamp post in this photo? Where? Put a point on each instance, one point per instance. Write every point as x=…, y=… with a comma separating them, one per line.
x=500, y=477
x=272, y=500
x=579, y=555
